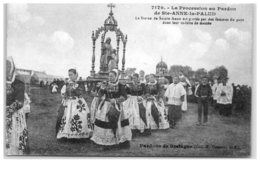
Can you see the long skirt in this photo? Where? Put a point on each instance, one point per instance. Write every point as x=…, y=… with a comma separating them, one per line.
x=174, y=114
x=135, y=120
x=225, y=109
x=17, y=134
x=93, y=108
x=75, y=121
x=163, y=120
x=103, y=132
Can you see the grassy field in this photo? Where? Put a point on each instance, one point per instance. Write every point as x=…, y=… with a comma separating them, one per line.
x=222, y=137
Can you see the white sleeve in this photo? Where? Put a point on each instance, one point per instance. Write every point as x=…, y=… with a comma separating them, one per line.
x=166, y=94
x=218, y=91
x=230, y=93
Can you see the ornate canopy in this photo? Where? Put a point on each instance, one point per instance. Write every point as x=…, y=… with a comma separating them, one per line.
x=110, y=24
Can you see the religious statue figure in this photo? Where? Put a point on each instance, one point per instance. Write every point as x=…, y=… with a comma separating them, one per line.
x=106, y=54
x=112, y=61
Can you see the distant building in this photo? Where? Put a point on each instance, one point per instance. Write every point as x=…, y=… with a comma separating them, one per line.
x=38, y=76
x=162, y=68
x=24, y=75
x=162, y=73
x=35, y=77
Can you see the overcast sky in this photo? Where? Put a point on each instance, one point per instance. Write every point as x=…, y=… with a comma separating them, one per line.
x=55, y=38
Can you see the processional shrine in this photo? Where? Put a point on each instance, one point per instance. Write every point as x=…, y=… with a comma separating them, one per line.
x=108, y=54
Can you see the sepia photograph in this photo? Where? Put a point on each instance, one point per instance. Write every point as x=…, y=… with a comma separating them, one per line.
x=129, y=80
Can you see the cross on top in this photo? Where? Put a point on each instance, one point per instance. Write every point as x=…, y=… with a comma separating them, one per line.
x=111, y=5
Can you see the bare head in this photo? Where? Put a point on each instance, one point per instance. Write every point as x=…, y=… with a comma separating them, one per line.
x=152, y=78
x=73, y=75
x=176, y=79
x=204, y=81
x=141, y=73
x=135, y=77
x=147, y=78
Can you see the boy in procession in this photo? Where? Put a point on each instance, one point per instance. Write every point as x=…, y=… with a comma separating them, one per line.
x=203, y=93
x=174, y=95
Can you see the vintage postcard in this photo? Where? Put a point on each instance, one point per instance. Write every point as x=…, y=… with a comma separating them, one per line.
x=129, y=80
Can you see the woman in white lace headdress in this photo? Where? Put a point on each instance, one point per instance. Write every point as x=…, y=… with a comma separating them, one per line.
x=111, y=123
x=156, y=113
x=74, y=115
x=136, y=106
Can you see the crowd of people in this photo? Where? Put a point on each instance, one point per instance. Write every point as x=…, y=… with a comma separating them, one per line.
x=239, y=99
x=120, y=109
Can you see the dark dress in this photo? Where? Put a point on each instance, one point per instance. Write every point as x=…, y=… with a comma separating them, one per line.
x=111, y=123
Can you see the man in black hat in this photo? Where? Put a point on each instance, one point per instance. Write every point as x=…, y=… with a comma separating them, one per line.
x=203, y=94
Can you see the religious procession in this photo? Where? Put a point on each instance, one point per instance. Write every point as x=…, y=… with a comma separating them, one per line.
x=123, y=111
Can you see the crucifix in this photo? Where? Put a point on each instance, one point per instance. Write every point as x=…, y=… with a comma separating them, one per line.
x=111, y=5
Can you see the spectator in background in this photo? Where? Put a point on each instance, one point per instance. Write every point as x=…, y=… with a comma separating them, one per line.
x=239, y=99
x=142, y=77
x=58, y=83
x=204, y=94
x=41, y=83
x=224, y=97
x=147, y=78
x=234, y=94
x=193, y=98
x=214, y=94
x=54, y=88
x=46, y=85
x=27, y=106
x=27, y=101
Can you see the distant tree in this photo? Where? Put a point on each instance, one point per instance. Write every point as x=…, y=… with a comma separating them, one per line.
x=130, y=71
x=200, y=73
x=186, y=70
x=175, y=69
x=219, y=71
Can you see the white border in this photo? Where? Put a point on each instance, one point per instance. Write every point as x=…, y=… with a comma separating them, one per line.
x=132, y=170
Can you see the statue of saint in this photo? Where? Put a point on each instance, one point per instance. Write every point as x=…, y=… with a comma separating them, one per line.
x=112, y=61
x=106, y=54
